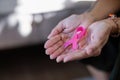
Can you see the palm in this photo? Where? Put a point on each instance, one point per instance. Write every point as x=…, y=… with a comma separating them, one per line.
x=98, y=34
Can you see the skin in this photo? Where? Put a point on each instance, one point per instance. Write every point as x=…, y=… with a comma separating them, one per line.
x=92, y=45
x=100, y=11
x=66, y=27
x=103, y=8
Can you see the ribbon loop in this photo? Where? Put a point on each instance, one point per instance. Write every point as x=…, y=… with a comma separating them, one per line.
x=79, y=33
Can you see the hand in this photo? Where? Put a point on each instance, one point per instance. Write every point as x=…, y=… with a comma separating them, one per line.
x=69, y=24
x=65, y=28
x=98, y=34
x=55, y=45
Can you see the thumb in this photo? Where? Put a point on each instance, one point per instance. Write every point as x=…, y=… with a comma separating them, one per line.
x=58, y=29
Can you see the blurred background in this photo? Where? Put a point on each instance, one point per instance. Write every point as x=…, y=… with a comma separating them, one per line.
x=24, y=27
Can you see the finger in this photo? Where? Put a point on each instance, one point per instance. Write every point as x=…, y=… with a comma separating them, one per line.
x=58, y=29
x=62, y=53
x=93, y=50
x=70, y=29
x=53, y=48
x=57, y=52
x=60, y=58
x=52, y=41
x=97, y=52
x=77, y=55
x=82, y=43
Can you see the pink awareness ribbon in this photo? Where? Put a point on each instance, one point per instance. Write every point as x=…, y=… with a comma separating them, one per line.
x=79, y=33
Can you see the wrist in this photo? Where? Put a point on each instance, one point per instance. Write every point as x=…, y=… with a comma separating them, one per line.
x=113, y=21
x=91, y=16
x=110, y=25
x=116, y=30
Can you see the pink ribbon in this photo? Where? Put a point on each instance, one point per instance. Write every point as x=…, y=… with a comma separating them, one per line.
x=79, y=33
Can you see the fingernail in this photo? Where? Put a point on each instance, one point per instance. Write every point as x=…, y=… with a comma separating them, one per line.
x=65, y=60
x=58, y=60
x=49, y=36
x=52, y=57
x=45, y=46
x=46, y=52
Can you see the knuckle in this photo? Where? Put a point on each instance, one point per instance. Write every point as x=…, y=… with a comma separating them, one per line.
x=97, y=53
x=89, y=52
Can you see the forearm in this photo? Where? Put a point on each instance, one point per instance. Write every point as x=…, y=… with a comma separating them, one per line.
x=103, y=8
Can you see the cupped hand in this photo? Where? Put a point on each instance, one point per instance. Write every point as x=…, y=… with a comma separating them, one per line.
x=97, y=37
x=98, y=34
x=62, y=31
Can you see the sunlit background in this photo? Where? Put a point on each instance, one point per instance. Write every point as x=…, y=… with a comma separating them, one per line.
x=21, y=14
x=24, y=27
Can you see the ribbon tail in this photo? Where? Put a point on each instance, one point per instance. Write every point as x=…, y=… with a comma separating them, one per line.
x=67, y=43
x=74, y=46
